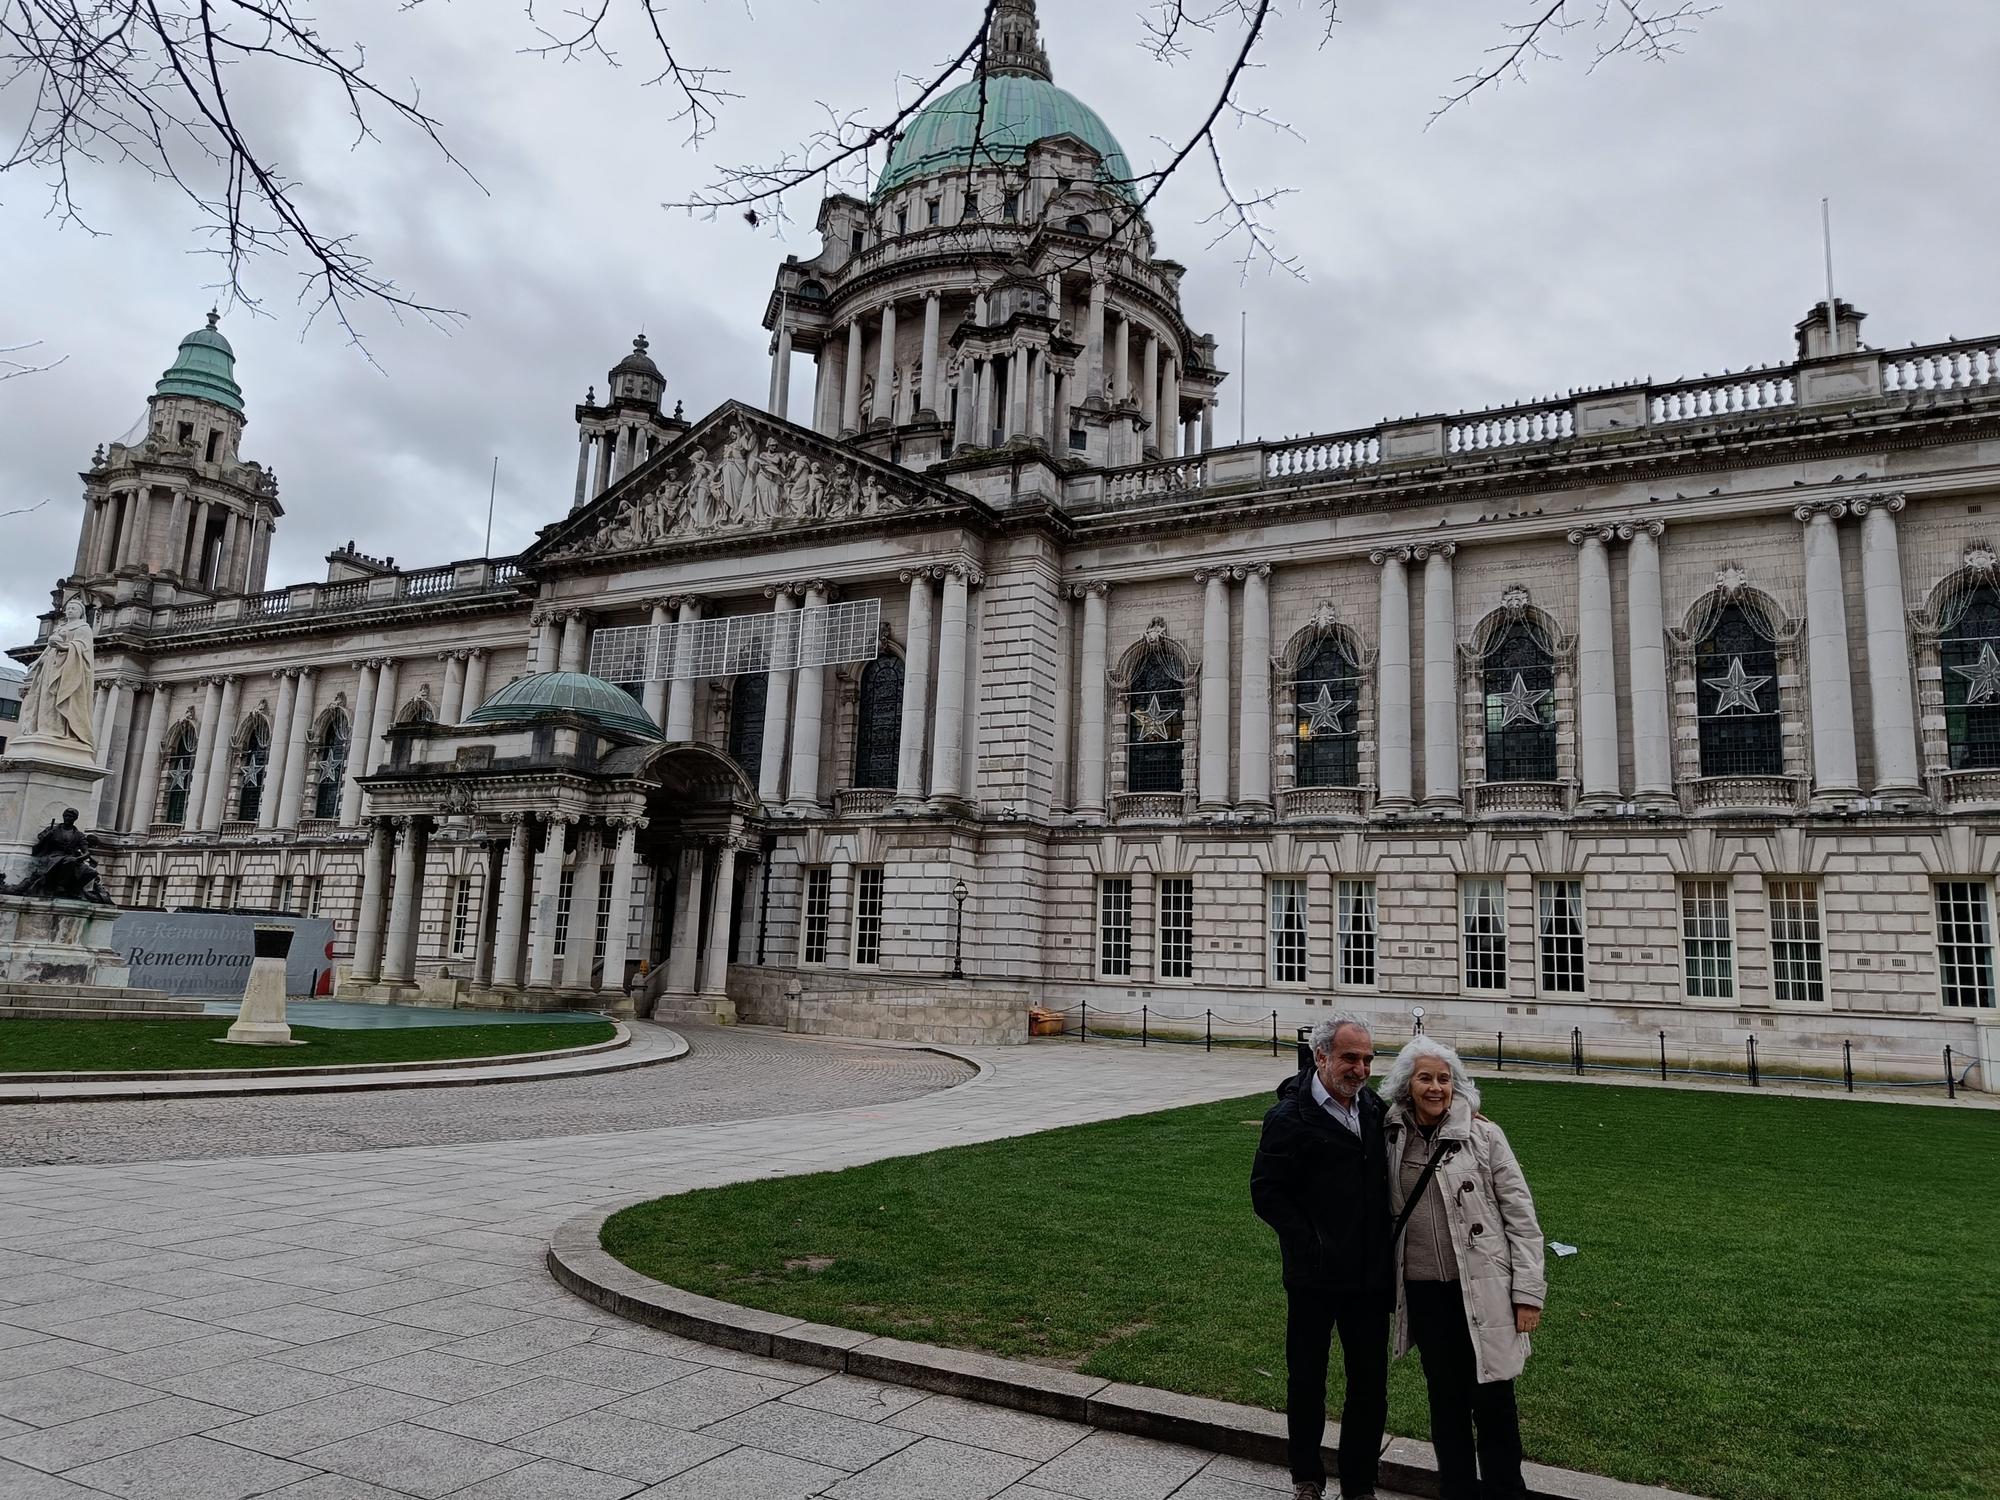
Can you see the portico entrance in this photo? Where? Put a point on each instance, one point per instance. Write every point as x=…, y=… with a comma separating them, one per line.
x=701, y=860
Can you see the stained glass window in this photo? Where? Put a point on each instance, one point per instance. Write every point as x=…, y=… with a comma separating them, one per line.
x=1155, y=716
x=746, y=720
x=1520, y=686
x=1736, y=699
x=329, y=767
x=1970, y=650
x=878, y=734
x=252, y=762
x=179, y=775
x=1326, y=695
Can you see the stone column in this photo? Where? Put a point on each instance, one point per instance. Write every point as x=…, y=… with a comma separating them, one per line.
x=777, y=705
x=680, y=692
x=1170, y=408
x=1392, y=680
x=368, y=920
x=291, y=790
x=513, y=897
x=1827, y=681
x=542, y=651
x=1893, y=722
x=916, y=691
x=1212, y=777
x=968, y=401
x=84, y=536
x=1646, y=654
x=582, y=469
x=1149, y=386
x=1017, y=392
x=176, y=544
x=618, y=929
x=1207, y=425
x=475, y=679
x=398, y=964
x=204, y=750
x=260, y=556
x=112, y=747
x=1253, y=743
x=933, y=356
x=850, y=394
x=148, y=796
x=1121, y=360
x=781, y=370
x=1093, y=342
x=580, y=946
x=948, y=743
x=452, y=709
x=548, y=892
x=225, y=565
x=982, y=415
x=715, y=971
x=1441, y=728
x=807, y=708
x=281, y=751
x=357, y=742
x=1093, y=710
x=1596, y=674
x=655, y=699
x=605, y=440
x=885, y=367
x=385, y=710
x=575, y=628
x=216, y=800
x=683, y=959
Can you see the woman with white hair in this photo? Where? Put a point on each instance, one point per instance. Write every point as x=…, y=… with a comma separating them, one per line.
x=1469, y=1279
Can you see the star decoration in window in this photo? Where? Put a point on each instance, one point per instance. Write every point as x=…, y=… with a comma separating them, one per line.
x=1984, y=675
x=252, y=773
x=1521, y=704
x=1152, y=721
x=1323, y=713
x=180, y=777
x=1737, y=689
x=327, y=768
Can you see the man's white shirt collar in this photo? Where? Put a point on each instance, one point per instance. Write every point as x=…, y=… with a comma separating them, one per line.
x=1347, y=1114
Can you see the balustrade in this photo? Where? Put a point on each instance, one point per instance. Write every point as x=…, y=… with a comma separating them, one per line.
x=1743, y=794
x=1510, y=429
x=861, y=801
x=1323, y=455
x=1149, y=807
x=1155, y=479
x=1752, y=391
x=1306, y=803
x=1518, y=799
x=1969, y=788
x=1942, y=367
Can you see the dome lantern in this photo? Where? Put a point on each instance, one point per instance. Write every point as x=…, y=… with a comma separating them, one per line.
x=205, y=368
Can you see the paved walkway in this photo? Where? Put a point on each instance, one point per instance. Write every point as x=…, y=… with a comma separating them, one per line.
x=365, y=1323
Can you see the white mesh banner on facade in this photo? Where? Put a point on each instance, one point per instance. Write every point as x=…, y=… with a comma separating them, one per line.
x=821, y=636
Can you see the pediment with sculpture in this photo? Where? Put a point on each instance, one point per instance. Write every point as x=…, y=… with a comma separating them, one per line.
x=742, y=474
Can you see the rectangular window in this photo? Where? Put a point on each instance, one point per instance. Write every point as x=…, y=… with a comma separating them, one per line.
x=313, y=884
x=1706, y=941
x=1114, y=928
x=932, y=209
x=1177, y=927
x=1357, y=933
x=1288, y=932
x=461, y=913
x=1965, y=942
x=854, y=242
x=281, y=894
x=1798, y=959
x=565, y=899
x=10, y=708
x=1483, y=919
x=1559, y=935
x=819, y=913
x=1010, y=207
x=902, y=221
x=868, y=914
x=603, y=936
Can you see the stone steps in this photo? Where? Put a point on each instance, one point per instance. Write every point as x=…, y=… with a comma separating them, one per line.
x=87, y=1002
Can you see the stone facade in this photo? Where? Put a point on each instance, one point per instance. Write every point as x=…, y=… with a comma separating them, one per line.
x=1656, y=708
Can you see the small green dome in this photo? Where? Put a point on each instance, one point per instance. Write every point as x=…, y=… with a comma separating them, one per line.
x=205, y=367
x=1019, y=110
x=605, y=704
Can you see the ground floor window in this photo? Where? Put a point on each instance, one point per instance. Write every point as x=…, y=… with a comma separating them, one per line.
x=1483, y=929
x=461, y=913
x=819, y=913
x=1798, y=958
x=1559, y=935
x=1708, y=947
x=1177, y=927
x=1114, y=927
x=602, y=939
x=1288, y=931
x=868, y=914
x=1357, y=934
x=1965, y=942
x=565, y=900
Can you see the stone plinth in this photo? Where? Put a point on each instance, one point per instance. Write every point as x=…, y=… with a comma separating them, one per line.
x=44, y=942
x=38, y=779
x=261, y=1020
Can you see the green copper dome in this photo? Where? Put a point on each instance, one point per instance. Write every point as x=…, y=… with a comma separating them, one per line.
x=1019, y=111
x=604, y=703
x=205, y=367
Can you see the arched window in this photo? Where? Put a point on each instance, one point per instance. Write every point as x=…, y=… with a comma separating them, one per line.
x=419, y=712
x=1155, y=714
x=252, y=761
x=1325, y=694
x=746, y=720
x=329, y=767
x=1970, y=651
x=878, y=732
x=1736, y=698
x=1076, y=224
x=1520, y=673
x=179, y=774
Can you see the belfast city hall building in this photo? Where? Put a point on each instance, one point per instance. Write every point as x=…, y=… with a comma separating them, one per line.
x=980, y=676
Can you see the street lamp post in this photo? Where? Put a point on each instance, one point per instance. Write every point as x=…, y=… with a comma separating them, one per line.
x=959, y=891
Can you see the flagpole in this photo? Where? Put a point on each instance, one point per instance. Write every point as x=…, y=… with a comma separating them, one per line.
x=1826, y=239
x=492, y=489
x=1242, y=372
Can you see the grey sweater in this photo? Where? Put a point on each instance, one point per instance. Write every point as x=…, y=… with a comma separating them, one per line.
x=1426, y=1248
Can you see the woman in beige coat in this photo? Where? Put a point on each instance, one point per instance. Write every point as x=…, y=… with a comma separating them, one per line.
x=1469, y=1280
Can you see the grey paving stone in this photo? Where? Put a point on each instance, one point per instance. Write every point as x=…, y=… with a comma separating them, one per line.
x=133, y=1329
x=546, y=1479
x=294, y=1322
x=507, y=1413
x=52, y=1397
x=213, y=1307
x=851, y=1396
x=748, y=1474
x=622, y=1445
x=820, y=1436
x=57, y=1313
x=521, y=1341
x=1020, y=1433
x=190, y=1468
x=932, y=1469
x=48, y=1286
x=253, y=1386
x=149, y=1366
x=12, y=1335
x=1248, y=1472
x=456, y=1313
x=17, y=1483
x=335, y=1487
x=445, y=1377
x=1207, y=1486
x=1029, y=1492
x=74, y=1444
x=8, y=1427
x=327, y=1419
x=417, y=1460
x=332, y=1356
x=703, y=1397
x=607, y=1365
x=1111, y=1466
x=49, y=1354
x=400, y=1292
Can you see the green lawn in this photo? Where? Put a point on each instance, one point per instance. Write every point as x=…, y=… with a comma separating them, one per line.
x=1776, y=1298
x=128, y=1046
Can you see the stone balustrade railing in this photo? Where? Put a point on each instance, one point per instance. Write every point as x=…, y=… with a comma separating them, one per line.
x=861, y=801
x=1969, y=788
x=1306, y=803
x=1516, y=799
x=428, y=584
x=1743, y=794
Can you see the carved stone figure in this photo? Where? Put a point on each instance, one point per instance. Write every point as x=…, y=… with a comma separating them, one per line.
x=736, y=473
x=701, y=491
x=55, y=700
x=63, y=869
x=766, y=482
x=815, y=491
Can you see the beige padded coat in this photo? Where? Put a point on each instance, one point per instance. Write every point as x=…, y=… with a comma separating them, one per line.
x=1494, y=1233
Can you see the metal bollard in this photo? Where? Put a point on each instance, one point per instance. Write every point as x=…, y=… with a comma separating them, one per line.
x=1143, y=1026
x=1208, y=1031
x=1274, y=1033
x=1663, y=1057
x=1950, y=1083
x=1499, y=1051
x=1083, y=1025
x=1576, y=1050
x=1750, y=1045
x=1847, y=1063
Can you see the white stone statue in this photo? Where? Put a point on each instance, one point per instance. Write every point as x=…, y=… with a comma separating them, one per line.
x=56, y=699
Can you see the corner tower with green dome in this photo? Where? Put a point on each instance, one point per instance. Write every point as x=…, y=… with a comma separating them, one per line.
x=998, y=295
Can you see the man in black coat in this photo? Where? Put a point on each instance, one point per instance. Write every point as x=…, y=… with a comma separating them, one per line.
x=1321, y=1180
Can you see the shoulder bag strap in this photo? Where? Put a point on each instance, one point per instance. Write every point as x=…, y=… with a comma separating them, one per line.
x=1445, y=1149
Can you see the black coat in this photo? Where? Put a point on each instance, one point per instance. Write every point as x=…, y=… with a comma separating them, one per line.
x=1325, y=1192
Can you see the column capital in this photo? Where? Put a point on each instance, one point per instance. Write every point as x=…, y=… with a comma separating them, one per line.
x=1243, y=571
x=684, y=601
x=1085, y=587
x=472, y=653
x=219, y=679
x=1627, y=530
x=541, y=615
x=972, y=576
x=558, y=820
x=623, y=824
x=1221, y=574
x=1581, y=536
x=1813, y=510
x=1425, y=551
x=128, y=682
x=782, y=591
x=514, y=820
x=1383, y=555
x=1892, y=504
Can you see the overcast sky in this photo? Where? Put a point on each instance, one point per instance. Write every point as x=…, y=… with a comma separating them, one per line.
x=1578, y=229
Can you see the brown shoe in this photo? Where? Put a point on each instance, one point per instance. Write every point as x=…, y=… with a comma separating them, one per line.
x=1308, y=1489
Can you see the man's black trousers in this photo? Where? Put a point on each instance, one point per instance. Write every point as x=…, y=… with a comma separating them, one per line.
x=1459, y=1401
x=1363, y=1321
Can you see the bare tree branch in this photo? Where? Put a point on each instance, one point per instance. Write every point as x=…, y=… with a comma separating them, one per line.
x=13, y=369
x=1649, y=30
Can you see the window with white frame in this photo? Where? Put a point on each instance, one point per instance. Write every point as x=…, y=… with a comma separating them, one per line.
x=1356, y=968
x=281, y=893
x=1798, y=955
x=603, y=935
x=819, y=913
x=1114, y=927
x=565, y=900
x=1965, y=943
x=314, y=884
x=1177, y=927
x=1708, y=947
x=1483, y=931
x=868, y=914
x=1559, y=935
x=461, y=913
x=1288, y=931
